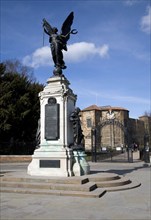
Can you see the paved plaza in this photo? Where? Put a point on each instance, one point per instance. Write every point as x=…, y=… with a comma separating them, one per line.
x=130, y=204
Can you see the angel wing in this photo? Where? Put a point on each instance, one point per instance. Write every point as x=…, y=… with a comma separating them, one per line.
x=47, y=27
x=66, y=28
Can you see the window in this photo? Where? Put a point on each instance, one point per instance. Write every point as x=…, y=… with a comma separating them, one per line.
x=89, y=123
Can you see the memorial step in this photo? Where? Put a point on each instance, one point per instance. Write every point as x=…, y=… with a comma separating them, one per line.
x=97, y=193
x=53, y=186
x=71, y=180
x=66, y=183
x=132, y=185
x=99, y=177
x=93, y=185
x=118, y=182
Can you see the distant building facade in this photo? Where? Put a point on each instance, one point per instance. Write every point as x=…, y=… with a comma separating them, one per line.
x=113, y=128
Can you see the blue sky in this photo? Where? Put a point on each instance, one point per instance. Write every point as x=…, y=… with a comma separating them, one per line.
x=108, y=61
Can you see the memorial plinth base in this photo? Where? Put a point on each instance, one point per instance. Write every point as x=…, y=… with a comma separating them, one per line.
x=54, y=157
x=51, y=162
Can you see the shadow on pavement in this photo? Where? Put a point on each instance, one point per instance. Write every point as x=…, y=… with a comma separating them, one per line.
x=125, y=171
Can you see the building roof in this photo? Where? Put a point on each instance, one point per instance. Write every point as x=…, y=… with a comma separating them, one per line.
x=91, y=107
x=95, y=107
x=113, y=108
x=144, y=116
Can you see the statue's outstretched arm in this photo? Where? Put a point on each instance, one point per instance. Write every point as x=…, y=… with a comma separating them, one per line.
x=73, y=31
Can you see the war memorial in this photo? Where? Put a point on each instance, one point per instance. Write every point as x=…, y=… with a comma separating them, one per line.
x=61, y=150
x=58, y=165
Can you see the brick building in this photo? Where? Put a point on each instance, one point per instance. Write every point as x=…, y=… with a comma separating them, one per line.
x=113, y=128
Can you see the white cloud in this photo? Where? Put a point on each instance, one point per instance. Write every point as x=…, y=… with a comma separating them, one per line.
x=146, y=21
x=130, y=2
x=77, y=52
x=82, y=50
x=40, y=57
x=103, y=51
x=120, y=98
x=132, y=99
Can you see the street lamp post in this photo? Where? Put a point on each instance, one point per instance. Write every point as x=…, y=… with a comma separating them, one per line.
x=93, y=144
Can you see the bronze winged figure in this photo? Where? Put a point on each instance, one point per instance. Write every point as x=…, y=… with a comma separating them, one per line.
x=58, y=42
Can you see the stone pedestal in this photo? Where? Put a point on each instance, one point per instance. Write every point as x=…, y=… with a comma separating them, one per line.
x=51, y=161
x=54, y=157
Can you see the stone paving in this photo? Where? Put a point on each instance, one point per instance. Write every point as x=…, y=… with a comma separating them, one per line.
x=123, y=205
